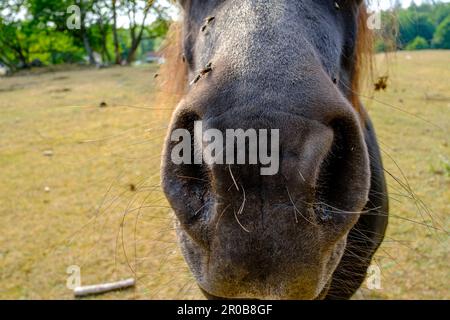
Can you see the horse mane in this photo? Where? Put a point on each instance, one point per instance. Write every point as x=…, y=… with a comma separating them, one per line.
x=363, y=65
x=173, y=73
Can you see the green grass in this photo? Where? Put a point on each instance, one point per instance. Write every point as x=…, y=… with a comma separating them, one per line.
x=79, y=207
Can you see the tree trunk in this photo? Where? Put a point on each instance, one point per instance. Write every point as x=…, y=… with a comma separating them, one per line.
x=132, y=53
x=87, y=47
x=106, y=54
x=136, y=40
x=115, y=35
x=133, y=46
x=85, y=37
x=23, y=59
x=104, y=34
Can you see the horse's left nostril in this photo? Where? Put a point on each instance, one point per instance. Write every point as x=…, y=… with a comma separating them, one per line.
x=342, y=186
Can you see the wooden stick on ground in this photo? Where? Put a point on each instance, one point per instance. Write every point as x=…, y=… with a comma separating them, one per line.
x=103, y=288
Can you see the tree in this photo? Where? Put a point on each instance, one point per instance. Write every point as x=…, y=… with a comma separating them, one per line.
x=85, y=7
x=118, y=59
x=413, y=24
x=14, y=35
x=102, y=16
x=439, y=12
x=53, y=13
x=136, y=28
x=441, y=39
x=59, y=31
x=419, y=43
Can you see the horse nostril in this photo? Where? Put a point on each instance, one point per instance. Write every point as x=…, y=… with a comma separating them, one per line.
x=342, y=183
x=186, y=181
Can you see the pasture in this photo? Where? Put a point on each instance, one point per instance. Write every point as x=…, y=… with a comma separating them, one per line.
x=79, y=168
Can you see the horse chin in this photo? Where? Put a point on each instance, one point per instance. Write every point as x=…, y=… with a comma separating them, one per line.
x=279, y=285
x=253, y=296
x=319, y=294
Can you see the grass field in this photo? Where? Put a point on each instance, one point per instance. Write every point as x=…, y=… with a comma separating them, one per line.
x=79, y=168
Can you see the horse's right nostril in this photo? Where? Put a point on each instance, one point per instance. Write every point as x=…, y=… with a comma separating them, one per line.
x=184, y=153
x=185, y=180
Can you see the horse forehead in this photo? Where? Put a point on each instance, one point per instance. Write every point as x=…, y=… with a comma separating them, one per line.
x=272, y=12
x=239, y=21
x=266, y=20
x=269, y=12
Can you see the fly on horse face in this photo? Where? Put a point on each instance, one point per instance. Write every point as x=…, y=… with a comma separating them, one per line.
x=310, y=230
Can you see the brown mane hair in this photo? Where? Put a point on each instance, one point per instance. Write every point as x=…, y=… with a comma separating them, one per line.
x=173, y=74
x=363, y=66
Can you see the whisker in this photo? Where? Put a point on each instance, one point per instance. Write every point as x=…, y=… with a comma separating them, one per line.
x=240, y=224
x=296, y=210
x=232, y=177
x=392, y=106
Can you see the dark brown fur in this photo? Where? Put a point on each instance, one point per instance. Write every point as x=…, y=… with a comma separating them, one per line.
x=311, y=230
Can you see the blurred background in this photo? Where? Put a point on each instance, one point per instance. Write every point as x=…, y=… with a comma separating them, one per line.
x=81, y=131
x=37, y=33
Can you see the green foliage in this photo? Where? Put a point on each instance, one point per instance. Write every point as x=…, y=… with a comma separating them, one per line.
x=15, y=42
x=45, y=11
x=418, y=27
x=413, y=25
x=442, y=36
x=37, y=29
x=53, y=47
x=419, y=43
x=158, y=29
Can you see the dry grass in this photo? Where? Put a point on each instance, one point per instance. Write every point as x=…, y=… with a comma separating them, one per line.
x=96, y=201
